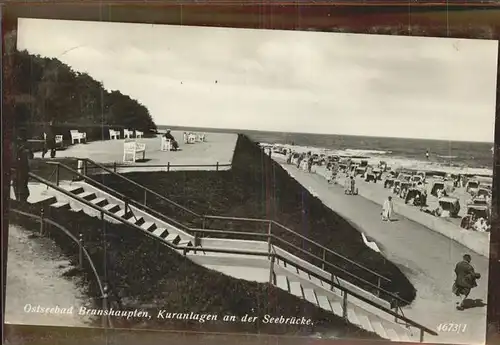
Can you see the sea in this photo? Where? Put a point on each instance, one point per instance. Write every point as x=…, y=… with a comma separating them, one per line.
x=447, y=153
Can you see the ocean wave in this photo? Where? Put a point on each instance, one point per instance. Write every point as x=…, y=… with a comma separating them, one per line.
x=447, y=157
x=374, y=152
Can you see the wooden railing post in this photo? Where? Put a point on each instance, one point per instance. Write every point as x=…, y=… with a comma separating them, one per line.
x=421, y=335
x=42, y=222
x=145, y=196
x=217, y=167
x=324, y=259
x=57, y=174
x=344, y=305
x=271, y=271
x=331, y=285
x=105, y=305
x=114, y=167
x=168, y=166
x=378, y=286
x=269, y=238
x=80, y=250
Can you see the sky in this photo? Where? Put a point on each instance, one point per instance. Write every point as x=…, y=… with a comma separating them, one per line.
x=289, y=81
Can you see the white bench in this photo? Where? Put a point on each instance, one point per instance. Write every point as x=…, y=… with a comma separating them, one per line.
x=166, y=144
x=114, y=134
x=131, y=149
x=191, y=138
x=75, y=135
x=201, y=137
x=139, y=134
x=127, y=134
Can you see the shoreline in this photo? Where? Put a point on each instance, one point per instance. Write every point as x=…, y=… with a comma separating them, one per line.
x=478, y=242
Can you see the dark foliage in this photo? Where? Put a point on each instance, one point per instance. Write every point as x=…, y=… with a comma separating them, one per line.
x=48, y=90
x=144, y=274
x=257, y=187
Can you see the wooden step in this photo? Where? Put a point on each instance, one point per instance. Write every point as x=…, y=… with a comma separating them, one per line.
x=296, y=289
x=404, y=337
x=310, y=296
x=75, y=189
x=352, y=317
x=316, y=281
x=160, y=232
x=99, y=202
x=365, y=322
x=172, y=238
x=323, y=302
x=87, y=195
x=185, y=243
x=113, y=208
x=136, y=220
x=336, y=307
x=282, y=282
x=392, y=334
x=379, y=329
x=121, y=213
x=61, y=205
x=149, y=226
x=303, y=275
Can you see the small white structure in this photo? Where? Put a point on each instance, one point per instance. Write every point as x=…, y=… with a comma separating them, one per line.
x=75, y=135
x=114, y=134
x=131, y=149
x=127, y=134
x=191, y=138
x=58, y=139
x=201, y=137
x=139, y=134
x=166, y=144
x=185, y=136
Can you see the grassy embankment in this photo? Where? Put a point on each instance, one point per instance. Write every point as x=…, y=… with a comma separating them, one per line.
x=257, y=187
x=143, y=274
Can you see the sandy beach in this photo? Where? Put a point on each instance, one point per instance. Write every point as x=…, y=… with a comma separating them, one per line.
x=426, y=257
x=34, y=277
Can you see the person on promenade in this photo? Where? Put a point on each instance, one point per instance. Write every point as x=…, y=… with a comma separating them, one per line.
x=170, y=137
x=427, y=155
x=387, y=209
x=20, y=168
x=465, y=281
x=353, y=185
x=50, y=141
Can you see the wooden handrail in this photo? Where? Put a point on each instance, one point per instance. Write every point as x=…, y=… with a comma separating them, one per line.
x=186, y=249
x=266, y=221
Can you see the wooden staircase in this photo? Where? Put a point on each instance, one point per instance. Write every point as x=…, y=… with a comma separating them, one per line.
x=288, y=279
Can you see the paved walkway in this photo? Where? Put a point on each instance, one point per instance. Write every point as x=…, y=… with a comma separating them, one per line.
x=218, y=148
x=426, y=258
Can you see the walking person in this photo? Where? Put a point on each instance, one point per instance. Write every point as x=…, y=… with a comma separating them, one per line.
x=50, y=141
x=387, y=209
x=465, y=280
x=20, y=167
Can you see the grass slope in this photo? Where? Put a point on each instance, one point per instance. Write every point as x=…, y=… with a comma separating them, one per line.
x=143, y=274
x=257, y=187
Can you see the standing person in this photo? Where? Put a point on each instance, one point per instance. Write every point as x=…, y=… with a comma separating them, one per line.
x=20, y=167
x=427, y=154
x=387, y=209
x=50, y=141
x=465, y=280
x=353, y=185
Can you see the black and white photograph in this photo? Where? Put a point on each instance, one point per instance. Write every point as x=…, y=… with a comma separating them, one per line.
x=298, y=183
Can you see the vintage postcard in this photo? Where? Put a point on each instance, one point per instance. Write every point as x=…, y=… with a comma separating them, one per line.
x=320, y=185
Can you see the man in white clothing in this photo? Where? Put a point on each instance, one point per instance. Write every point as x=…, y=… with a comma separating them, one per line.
x=387, y=209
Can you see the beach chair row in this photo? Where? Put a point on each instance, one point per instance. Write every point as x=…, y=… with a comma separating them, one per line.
x=192, y=138
x=127, y=134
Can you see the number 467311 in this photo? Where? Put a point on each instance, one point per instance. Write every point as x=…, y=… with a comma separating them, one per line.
x=452, y=327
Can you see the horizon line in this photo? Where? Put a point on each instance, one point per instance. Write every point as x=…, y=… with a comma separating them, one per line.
x=337, y=134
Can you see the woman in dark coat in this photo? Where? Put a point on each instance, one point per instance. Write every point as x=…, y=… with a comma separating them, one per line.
x=465, y=279
x=50, y=141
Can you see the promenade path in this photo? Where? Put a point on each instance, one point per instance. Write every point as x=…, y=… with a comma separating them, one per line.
x=427, y=258
x=35, y=270
x=218, y=148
